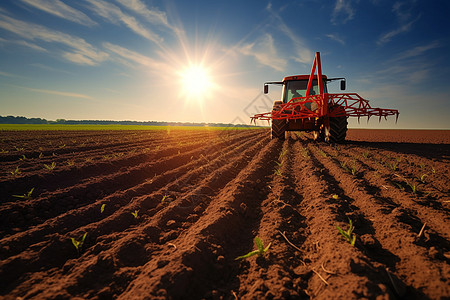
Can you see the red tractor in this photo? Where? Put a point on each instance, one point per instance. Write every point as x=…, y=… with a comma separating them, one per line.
x=306, y=105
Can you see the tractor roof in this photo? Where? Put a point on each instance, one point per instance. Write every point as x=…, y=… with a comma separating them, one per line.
x=301, y=77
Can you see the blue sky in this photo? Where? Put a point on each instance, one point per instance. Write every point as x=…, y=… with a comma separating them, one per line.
x=206, y=61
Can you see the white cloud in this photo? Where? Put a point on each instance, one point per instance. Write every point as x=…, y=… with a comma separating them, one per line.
x=417, y=51
x=81, y=51
x=334, y=37
x=263, y=50
x=153, y=16
x=402, y=10
x=136, y=58
x=389, y=35
x=343, y=11
x=114, y=14
x=24, y=43
x=62, y=10
x=6, y=74
x=59, y=93
x=303, y=54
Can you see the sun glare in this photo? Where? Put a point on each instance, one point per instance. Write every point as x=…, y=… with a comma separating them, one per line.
x=196, y=83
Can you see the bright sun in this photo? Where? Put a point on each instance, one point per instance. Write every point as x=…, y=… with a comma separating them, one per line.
x=196, y=83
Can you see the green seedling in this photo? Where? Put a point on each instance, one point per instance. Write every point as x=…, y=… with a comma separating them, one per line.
x=335, y=197
x=304, y=152
x=70, y=162
x=278, y=168
x=25, y=196
x=79, y=244
x=19, y=149
x=433, y=170
x=353, y=170
x=164, y=198
x=365, y=154
x=4, y=151
x=62, y=146
x=422, y=178
x=41, y=155
x=412, y=186
x=50, y=167
x=260, y=249
x=282, y=154
x=401, y=187
x=348, y=235
x=323, y=154
x=16, y=171
x=393, y=166
x=135, y=214
x=102, y=208
x=23, y=157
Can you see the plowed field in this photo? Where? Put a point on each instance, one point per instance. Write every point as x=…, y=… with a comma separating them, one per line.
x=166, y=213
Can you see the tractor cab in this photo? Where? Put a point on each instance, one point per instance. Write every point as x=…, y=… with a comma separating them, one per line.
x=296, y=86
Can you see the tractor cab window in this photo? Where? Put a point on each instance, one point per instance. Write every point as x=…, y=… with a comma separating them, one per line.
x=297, y=88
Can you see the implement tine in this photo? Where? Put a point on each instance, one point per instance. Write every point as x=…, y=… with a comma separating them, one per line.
x=396, y=117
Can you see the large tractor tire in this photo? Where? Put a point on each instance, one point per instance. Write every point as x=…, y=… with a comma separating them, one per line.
x=278, y=129
x=338, y=128
x=278, y=126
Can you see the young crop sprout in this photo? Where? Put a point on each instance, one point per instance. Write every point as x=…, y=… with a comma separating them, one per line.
x=25, y=196
x=135, y=214
x=102, y=209
x=79, y=244
x=164, y=198
x=412, y=185
x=277, y=170
x=335, y=197
x=50, y=167
x=422, y=178
x=348, y=235
x=260, y=251
x=16, y=171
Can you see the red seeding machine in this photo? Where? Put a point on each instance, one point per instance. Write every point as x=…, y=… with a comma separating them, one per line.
x=306, y=105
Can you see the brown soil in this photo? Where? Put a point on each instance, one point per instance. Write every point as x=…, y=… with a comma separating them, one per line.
x=203, y=196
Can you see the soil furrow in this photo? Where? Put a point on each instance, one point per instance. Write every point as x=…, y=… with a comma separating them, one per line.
x=402, y=244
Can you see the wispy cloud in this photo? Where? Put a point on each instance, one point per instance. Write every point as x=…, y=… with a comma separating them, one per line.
x=343, y=12
x=336, y=38
x=81, y=51
x=303, y=53
x=153, y=15
x=59, y=93
x=134, y=57
x=47, y=68
x=62, y=10
x=24, y=43
x=416, y=51
x=264, y=51
x=402, y=10
x=115, y=15
x=6, y=74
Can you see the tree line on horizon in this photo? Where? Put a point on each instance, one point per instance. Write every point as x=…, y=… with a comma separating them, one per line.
x=25, y=120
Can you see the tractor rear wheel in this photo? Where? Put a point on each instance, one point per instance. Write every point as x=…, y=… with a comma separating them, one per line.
x=278, y=129
x=338, y=128
x=278, y=126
